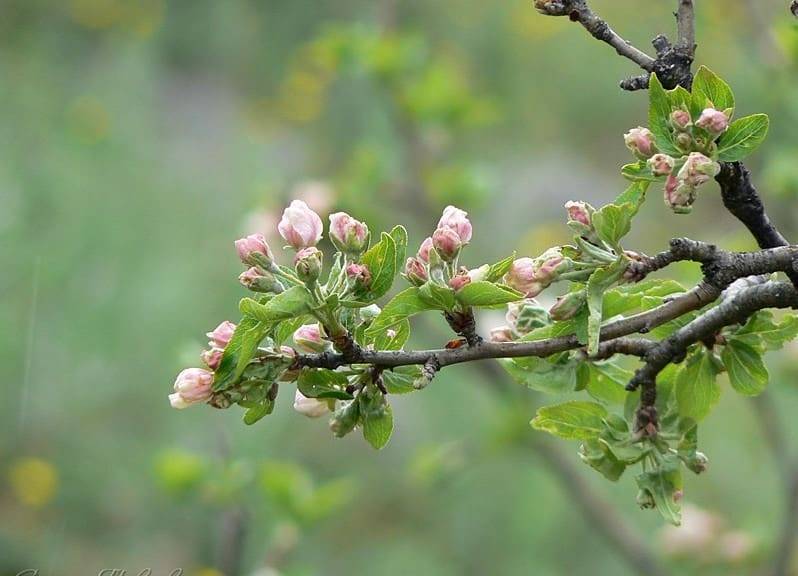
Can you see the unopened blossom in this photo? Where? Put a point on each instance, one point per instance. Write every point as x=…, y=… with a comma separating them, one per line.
x=193, y=385
x=253, y=250
x=522, y=276
x=661, y=164
x=347, y=234
x=212, y=358
x=698, y=169
x=307, y=263
x=221, y=335
x=308, y=339
x=459, y=281
x=679, y=196
x=680, y=119
x=300, y=226
x=416, y=271
x=447, y=243
x=641, y=142
x=501, y=334
x=580, y=212
x=713, y=121
x=258, y=280
x=310, y=407
x=359, y=274
x=458, y=221
x=423, y=251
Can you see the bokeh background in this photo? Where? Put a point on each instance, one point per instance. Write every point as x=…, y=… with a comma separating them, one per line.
x=139, y=138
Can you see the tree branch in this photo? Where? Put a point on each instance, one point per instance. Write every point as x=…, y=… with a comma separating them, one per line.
x=685, y=23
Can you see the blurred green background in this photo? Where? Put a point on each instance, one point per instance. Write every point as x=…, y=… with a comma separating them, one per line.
x=138, y=139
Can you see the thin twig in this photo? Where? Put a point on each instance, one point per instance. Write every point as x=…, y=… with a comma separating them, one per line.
x=685, y=23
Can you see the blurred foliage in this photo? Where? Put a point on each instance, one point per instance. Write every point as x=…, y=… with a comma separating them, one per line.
x=139, y=138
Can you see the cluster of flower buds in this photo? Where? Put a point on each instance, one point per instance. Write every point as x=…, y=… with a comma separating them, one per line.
x=531, y=276
x=439, y=253
x=217, y=342
x=348, y=235
x=521, y=317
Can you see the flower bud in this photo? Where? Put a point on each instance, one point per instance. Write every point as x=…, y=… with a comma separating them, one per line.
x=345, y=418
x=458, y=221
x=447, y=243
x=568, y=306
x=257, y=280
x=358, y=274
x=661, y=164
x=459, y=281
x=192, y=385
x=308, y=339
x=254, y=251
x=221, y=335
x=522, y=276
x=698, y=169
x=580, y=213
x=212, y=357
x=307, y=264
x=641, y=142
x=680, y=119
x=679, y=196
x=350, y=236
x=713, y=121
x=684, y=141
x=416, y=271
x=310, y=407
x=300, y=226
x=423, y=251
x=501, y=334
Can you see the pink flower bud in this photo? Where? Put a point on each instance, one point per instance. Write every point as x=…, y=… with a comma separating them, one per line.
x=698, y=169
x=308, y=339
x=641, y=142
x=212, y=357
x=522, y=276
x=457, y=282
x=254, y=251
x=580, y=212
x=300, y=226
x=416, y=271
x=359, y=274
x=310, y=407
x=307, y=263
x=680, y=119
x=221, y=335
x=713, y=121
x=257, y=280
x=684, y=141
x=457, y=220
x=347, y=234
x=447, y=243
x=192, y=385
x=501, y=334
x=661, y=164
x=423, y=251
x=679, y=196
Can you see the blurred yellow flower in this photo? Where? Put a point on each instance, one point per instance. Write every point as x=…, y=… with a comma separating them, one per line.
x=33, y=481
x=207, y=572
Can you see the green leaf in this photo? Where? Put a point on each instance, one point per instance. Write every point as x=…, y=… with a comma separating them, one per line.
x=710, y=90
x=381, y=261
x=239, y=351
x=607, y=382
x=743, y=137
x=747, y=372
x=377, y=421
x=437, y=297
x=598, y=456
x=285, y=329
x=659, y=111
x=393, y=338
x=258, y=411
x=597, y=284
x=635, y=194
x=697, y=390
x=405, y=304
x=399, y=235
x=665, y=484
x=639, y=171
x=500, y=268
x=487, y=294
x=543, y=374
x=764, y=333
x=289, y=304
x=572, y=420
x=321, y=383
x=612, y=222
x=400, y=380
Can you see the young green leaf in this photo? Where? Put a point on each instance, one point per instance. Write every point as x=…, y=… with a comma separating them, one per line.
x=607, y=382
x=697, y=390
x=664, y=484
x=377, y=421
x=543, y=374
x=597, y=284
x=400, y=380
x=437, y=297
x=258, y=411
x=238, y=353
x=404, y=305
x=747, y=373
x=659, y=111
x=289, y=304
x=743, y=137
x=500, y=268
x=710, y=90
x=399, y=235
x=381, y=260
x=487, y=294
x=572, y=420
x=764, y=333
x=639, y=171
x=321, y=383
x=391, y=339
x=597, y=454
